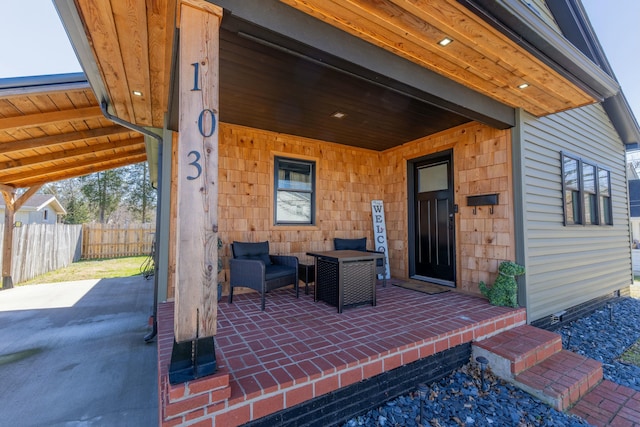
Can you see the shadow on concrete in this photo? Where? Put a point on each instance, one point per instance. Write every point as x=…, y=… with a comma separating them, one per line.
x=74, y=354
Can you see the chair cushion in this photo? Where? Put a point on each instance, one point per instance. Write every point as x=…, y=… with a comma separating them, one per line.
x=276, y=271
x=250, y=250
x=350, y=244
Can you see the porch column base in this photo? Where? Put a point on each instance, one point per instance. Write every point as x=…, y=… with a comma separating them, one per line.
x=192, y=359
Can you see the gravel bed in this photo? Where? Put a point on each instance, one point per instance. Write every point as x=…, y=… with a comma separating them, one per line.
x=604, y=336
x=459, y=399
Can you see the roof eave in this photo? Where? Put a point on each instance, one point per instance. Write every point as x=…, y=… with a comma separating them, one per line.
x=36, y=84
x=592, y=74
x=74, y=27
x=523, y=25
x=623, y=120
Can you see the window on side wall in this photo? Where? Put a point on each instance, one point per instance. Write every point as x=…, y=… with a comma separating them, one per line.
x=294, y=191
x=586, y=189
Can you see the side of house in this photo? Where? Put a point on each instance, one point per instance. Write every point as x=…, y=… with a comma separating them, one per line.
x=574, y=234
x=39, y=209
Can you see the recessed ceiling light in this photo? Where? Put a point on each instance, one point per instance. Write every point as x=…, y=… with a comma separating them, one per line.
x=339, y=115
x=523, y=86
x=445, y=41
x=137, y=93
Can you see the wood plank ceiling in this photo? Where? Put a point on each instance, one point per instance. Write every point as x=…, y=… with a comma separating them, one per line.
x=296, y=96
x=132, y=44
x=480, y=57
x=49, y=135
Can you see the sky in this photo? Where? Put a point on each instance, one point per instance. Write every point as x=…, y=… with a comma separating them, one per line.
x=33, y=41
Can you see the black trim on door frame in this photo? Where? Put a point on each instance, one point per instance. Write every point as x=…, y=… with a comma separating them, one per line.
x=411, y=203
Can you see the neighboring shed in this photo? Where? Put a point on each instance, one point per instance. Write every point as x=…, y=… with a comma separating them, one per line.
x=38, y=209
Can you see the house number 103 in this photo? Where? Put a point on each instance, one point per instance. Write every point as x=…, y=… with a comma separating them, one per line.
x=206, y=124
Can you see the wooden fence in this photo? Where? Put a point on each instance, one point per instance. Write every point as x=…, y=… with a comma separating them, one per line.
x=115, y=240
x=40, y=248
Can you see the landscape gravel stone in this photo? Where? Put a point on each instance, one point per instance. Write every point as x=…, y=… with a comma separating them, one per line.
x=460, y=399
x=604, y=336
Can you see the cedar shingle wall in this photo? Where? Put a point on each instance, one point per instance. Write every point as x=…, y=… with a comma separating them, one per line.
x=481, y=161
x=349, y=178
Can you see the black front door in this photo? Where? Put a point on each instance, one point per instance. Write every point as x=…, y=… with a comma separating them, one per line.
x=434, y=248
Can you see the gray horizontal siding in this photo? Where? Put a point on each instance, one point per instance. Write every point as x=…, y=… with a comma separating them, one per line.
x=567, y=266
x=540, y=7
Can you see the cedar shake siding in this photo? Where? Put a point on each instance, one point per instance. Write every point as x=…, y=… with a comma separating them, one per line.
x=349, y=178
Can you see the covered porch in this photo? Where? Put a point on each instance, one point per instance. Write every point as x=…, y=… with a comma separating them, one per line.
x=300, y=361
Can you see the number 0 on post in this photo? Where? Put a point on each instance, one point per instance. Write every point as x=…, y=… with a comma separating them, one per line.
x=197, y=173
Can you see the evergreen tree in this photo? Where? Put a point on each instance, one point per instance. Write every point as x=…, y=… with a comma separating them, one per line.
x=120, y=195
x=141, y=197
x=77, y=212
x=103, y=191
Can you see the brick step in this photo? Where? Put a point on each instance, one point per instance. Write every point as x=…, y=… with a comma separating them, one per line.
x=561, y=380
x=513, y=351
x=610, y=404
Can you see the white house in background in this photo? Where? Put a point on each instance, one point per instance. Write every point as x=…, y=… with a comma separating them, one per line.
x=39, y=209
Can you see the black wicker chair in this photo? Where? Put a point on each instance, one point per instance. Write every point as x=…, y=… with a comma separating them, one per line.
x=361, y=245
x=253, y=267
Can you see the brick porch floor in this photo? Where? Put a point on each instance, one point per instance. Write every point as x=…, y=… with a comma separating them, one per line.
x=298, y=349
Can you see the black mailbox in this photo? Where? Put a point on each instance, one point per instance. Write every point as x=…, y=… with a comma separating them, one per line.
x=482, y=200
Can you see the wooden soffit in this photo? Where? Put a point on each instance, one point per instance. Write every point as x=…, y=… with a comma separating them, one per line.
x=126, y=47
x=49, y=134
x=480, y=57
x=126, y=50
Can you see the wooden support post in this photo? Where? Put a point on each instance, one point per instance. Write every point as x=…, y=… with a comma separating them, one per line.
x=12, y=204
x=197, y=176
x=7, y=239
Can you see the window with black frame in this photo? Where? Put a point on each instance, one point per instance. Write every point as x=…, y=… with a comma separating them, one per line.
x=294, y=191
x=586, y=191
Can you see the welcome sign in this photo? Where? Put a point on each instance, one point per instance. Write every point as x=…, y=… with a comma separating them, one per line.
x=380, y=233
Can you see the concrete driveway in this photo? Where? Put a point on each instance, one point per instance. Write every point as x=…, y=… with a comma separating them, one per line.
x=73, y=354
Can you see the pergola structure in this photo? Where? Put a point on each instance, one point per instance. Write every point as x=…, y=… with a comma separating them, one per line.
x=53, y=128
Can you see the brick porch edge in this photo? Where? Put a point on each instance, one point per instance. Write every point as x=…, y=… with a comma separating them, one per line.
x=214, y=401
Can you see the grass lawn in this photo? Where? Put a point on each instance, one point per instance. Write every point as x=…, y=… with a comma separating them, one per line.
x=92, y=269
x=632, y=355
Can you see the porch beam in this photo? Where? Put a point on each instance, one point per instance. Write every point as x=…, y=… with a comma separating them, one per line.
x=196, y=223
x=26, y=196
x=42, y=119
x=361, y=58
x=125, y=156
x=7, y=188
x=65, y=138
x=72, y=153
